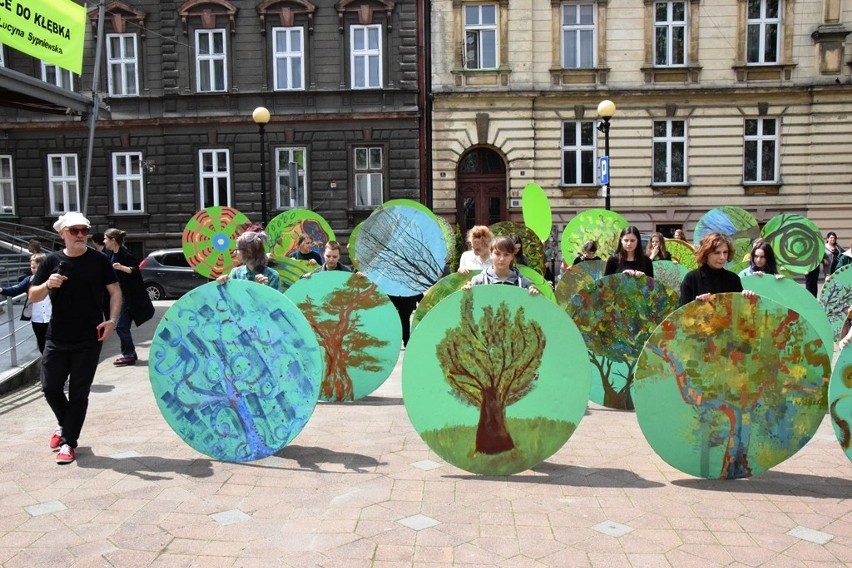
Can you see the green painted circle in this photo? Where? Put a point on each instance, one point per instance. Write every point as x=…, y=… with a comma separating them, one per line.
x=495, y=343
x=352, y=245
x=730, y=388
x=357, y=328
x=840, y=400
x=793, y=295
x=599, y=225
x=836, y=297
x=683, y=253
x=235, y=370
x=796, y=242
x=284, y=230
x=209, y=240
x=538, y=282
x=615, y=315
x=531, y=246
x=438, y=291
x=535, y=208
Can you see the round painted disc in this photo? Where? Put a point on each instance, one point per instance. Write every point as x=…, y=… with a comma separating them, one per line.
x=836, y=297
x=535, y=208
x=485, y=380
x=538, y=282
x=446, y=229
x=793, y=295
x=531, y=246
x=683, y=252
x=357, y=328
x=729, y=220
x=235, y=370
x=284, y=230
x=352, y=244
x=597, y=225
x=402, y=249
x=669, y=274
x=290, y=270
x=730, y=388
x=840, y=400
x=796, y=242
x=572, y=281
x=209, y=240
x=615, y=315
x=440, y=290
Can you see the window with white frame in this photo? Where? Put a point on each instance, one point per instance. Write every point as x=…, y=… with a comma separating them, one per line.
x=669, y=143
x=670, y=22
x=578, y=35
x=215, y=177
x=288, y=50
x=127, y=182
x=63, y=183
x=7, y=186
x=291, y=178
x=369, y=177
x=2, y=58
x=578, y=153
x=57, y=76
x=480, y=36
x=211, y=66
x=366, y=53
x=763, y=31
x=761, y=150
x=122, y=65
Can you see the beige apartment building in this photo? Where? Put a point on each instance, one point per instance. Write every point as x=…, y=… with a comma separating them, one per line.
x=722, y=102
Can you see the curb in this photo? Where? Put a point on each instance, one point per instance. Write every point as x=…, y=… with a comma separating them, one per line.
x=24, y=375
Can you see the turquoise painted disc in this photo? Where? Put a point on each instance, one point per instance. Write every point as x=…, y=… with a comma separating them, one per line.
x=840, y=400
x=235, y=370
x=358, y=330
x=495, y=380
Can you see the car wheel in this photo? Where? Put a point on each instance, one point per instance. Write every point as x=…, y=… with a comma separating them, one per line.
x=155, y=291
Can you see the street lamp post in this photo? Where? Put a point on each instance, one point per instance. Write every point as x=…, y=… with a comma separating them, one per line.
x=260, y=116
x=606, y=110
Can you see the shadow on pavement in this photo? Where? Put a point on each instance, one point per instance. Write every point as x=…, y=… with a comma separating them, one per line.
x=145, y=467
x=312, y=458
x=577, y=476
x=102, y=388
x=777, y=483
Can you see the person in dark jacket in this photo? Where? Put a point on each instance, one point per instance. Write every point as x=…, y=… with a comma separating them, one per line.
x=711, y=277
x=136, y=306
x=629, y=257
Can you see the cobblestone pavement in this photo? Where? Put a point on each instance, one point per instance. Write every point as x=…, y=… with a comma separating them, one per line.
x=359, y=488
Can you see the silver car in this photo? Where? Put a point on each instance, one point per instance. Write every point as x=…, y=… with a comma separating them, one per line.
x=167, y=274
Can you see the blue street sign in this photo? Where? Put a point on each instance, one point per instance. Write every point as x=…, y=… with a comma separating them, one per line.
x=603, y=166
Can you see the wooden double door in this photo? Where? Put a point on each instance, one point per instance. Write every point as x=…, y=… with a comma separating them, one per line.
x=481, y=193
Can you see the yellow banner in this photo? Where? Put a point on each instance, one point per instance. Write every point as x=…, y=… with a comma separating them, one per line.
x=50, y=30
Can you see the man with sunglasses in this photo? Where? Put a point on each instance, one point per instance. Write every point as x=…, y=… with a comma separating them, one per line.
x=75, y=279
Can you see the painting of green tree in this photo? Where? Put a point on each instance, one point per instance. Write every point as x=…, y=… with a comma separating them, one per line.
x=531, y=245
x=730, y=388
x=840, y=400
x=682, y=252
x=358, y=331
x=495, y=380
x=616, y=315
x=729, y=220
x=599, y=225
x=572, y=281
x=669, y=274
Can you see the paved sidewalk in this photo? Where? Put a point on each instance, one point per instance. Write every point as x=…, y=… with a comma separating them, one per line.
x=359, y=488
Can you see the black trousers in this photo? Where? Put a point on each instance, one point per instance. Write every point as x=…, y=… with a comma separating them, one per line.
x=40, y=331
x=76, y=363
x=405, y=306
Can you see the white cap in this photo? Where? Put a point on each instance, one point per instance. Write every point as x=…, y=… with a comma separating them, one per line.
x=71, y=219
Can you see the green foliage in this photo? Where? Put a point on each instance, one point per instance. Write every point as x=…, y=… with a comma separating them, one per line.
x=497, y=352
x=597, y=225
x=535, y=440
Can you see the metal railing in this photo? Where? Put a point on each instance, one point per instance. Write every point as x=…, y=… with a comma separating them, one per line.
x=16, y=332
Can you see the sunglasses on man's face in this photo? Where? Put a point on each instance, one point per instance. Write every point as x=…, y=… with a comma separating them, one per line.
x=78, y=230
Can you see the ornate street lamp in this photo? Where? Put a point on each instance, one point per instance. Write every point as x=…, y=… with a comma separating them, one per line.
x=606, y=110
x=261, y=116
